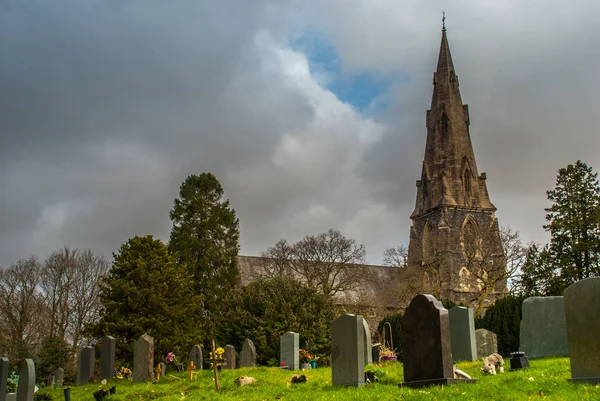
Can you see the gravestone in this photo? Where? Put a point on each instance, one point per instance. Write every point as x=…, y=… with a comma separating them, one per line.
x=107, y=358
x=59, y=377
x=196, y=356
x=143, y=359
x=543, y=327
x=26, y=386
x=426, y=344
x=462, y=333
x=4, y=370
x=347, y=351
x=367, y=343
x=248, y=354
x=229, y=357
x=289, y=350
x=487, y=343
x=163, y=369
x=85, y=365
x=582, y=311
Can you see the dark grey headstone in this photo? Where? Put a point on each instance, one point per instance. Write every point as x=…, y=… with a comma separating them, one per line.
x=543, y=327
x=582, y=310
x=85, y=365
x=462, y=333
x=248, y=354
x=487, y=343
x=347, y=351
x=289, y=350
x=229, y=357
x=196, y=356
x=4, y=370
x=426, y=344
x=367, y=343
x=26, y=386
x=143, y=359
x=107, y=358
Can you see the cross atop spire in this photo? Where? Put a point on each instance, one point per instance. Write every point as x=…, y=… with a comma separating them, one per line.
x=443, y=21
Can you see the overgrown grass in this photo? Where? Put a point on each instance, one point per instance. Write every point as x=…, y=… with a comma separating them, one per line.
x=546, y=378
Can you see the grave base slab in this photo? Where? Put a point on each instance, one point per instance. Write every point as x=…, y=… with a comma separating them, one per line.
x=435, y=382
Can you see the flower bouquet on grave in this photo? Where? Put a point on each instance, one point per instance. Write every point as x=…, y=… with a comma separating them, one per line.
x=124, y=373
x=217, y=358
x=171, y=358
x=305, y=356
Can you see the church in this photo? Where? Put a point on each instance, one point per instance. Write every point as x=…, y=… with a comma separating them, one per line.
x=455, y=250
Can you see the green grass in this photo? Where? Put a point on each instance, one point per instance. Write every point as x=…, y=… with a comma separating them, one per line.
x=545, y=379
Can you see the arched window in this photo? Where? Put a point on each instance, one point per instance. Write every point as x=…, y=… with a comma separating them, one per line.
x=467, y=183
x=471, y=240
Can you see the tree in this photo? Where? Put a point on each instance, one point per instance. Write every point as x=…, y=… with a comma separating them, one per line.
x=146, y=291
x=396, y=256
x=269, y=307
x=328, y=262
x=205, y=238
x=504, y=319
x=574, y=224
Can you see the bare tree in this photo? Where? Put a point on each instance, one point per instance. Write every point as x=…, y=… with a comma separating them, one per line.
x=21, y=309
x=327, y=262
x=396, y=256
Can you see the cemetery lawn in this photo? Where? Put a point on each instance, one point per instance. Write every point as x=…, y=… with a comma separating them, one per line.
x=545, y=378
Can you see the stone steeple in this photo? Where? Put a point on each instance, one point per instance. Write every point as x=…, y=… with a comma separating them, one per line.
x=449, y=177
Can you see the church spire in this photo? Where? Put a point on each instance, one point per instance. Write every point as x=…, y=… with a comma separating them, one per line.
x=450, y=177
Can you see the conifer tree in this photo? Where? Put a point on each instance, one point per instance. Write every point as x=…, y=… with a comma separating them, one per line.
x=205, y=237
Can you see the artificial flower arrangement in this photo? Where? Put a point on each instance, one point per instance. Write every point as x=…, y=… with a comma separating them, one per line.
x=305, y=356
x=124, y=373
x=171, y=358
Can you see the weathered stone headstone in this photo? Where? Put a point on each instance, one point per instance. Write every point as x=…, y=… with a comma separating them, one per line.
x=163, y=368
x=26, y=386
x=196, y=356
x=59, y=377
x=248, y=354
x=347, y=351
x=426, y=344
x=289, y=350
x=143, y=359
x=487, y=343
x=543, y=327
x=4, y=370
x=107, y=358
x=367, y=343
x=582, y=310
x=462, y=333
x=85, y=365
x=229, y=357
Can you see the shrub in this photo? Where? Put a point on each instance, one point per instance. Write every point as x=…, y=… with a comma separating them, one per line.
x=504, y=319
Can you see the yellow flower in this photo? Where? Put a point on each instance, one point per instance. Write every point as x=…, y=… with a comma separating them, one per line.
x=220, y=351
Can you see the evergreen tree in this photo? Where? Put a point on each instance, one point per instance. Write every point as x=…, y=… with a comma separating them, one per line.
x=146, y=291
x=504, y=319
x=205, y=237
x=573, y=223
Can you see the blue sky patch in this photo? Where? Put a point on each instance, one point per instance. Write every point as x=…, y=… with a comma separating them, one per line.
x=363, y=90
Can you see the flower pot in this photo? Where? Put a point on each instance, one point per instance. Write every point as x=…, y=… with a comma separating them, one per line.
x=370, y=377
x=313, y=364
x=389, y=358
x=305, y=366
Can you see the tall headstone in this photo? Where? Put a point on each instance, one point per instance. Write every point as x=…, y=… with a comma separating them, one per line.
x=367, y=343
x=582, y=311
x=426, y=344
x=4, y=370
x=289, y=350
x=196, y=356
x=107, y=358
x=85, y=365
x=487, y=343
x=248, y=354
x=462, y=333
x=347, y=351
x=229, y=357
x=26, y=386
x=543, y=327
x=143, y=359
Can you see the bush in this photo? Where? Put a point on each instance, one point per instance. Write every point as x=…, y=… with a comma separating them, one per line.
x=504, y=319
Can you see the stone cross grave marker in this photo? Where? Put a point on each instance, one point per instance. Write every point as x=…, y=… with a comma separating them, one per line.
x=85, y=365
x=289, y=350
x=368, y=347
x=4, y=370
x=462, y=333
x=582, y=311
x=143, y=359
x=229, y=357
x=26, y=386
x=196, y=356
x=248, y=354
x=426, y=344
x=107, y=358
x=347, y=351
x=487, y=343
x=543, y=327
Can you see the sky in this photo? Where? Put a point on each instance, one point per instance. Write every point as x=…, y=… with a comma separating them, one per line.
x=310, y=113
